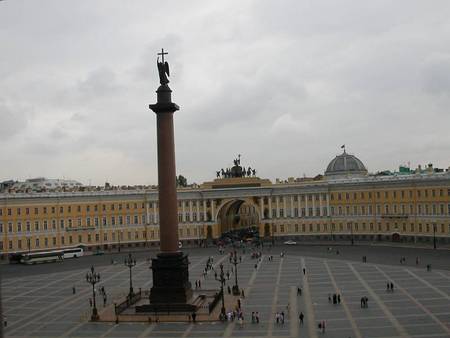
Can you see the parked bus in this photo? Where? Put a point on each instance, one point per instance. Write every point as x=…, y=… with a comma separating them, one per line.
x=15, y=257
x=43, y=257
x=73, y=252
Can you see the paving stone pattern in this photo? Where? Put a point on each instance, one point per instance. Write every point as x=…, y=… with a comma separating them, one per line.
x=42, y=305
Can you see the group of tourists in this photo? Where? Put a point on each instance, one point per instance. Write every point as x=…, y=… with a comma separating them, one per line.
x=255, y=317
x=336, y=298
x=390, y=287
x=364, y=302
x=279, y=317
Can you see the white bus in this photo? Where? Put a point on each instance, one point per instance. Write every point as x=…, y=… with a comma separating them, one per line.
x=42, y=257
x=73, y=253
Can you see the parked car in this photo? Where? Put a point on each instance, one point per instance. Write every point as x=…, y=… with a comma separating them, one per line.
x=290, y=242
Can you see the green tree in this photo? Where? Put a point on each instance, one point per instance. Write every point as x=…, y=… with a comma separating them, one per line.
x=181, y=181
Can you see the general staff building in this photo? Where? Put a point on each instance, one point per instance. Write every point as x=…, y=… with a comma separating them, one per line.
x=344, y=204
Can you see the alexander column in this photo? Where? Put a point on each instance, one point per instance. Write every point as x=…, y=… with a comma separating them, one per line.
x=170, y=269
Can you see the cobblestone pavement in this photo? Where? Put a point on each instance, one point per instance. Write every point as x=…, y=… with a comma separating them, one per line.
x=42, y=305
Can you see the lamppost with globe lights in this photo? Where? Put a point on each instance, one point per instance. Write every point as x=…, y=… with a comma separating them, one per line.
x=93, y=278
x=221, y=279
x=235, y=262
x=130, y=262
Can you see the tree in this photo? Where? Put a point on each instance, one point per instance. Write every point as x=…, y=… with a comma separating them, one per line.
x=181, y=181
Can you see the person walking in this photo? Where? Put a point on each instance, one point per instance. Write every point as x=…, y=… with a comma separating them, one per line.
x=300, y=317
x=74, y=291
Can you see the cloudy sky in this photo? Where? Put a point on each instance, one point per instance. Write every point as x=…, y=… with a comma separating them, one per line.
x=284, y=83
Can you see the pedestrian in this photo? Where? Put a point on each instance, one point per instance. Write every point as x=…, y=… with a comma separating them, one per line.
x=300, y=317
x=417, y=260
x=90, y=302
x=282, y=317
x=388, y=286
x=362, y=302
x=329, y=298
x=239, y=303
x=194, y=316
x=104, y=300
x=242, y=293
x=323, y=326
x=304, y=271
x=277, y=317
x=392, y=287
x=253, y=317
x=229, y=290
x=366, y=300
x=73, y=290
x=334, y=298
x=257, y=317
x=199, y=284
x=339, y=298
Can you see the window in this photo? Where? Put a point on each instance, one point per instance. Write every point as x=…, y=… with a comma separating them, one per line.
x=28, y=226
x=37, y=242
x=62, y=240
x=88, y=208
x=104, y=221
x=136, y=219
x=120, y=220
x=281, y=212
x=80, y=239
x=36, y=211
x=9, y=212
x=10, y=227
x=36, y=225
x=46, y=242
x=128, y=206
x=89, y=238
x=96, y=221
x=128, y=219
x=69, y=209
x=79, y=208
x=113, y=220
x=97, y=237
x=61, y=210
x=19, y=226
x=19, y=244
x=61, y=224
x=88, y=221
x=54, y=241
x=45, y=225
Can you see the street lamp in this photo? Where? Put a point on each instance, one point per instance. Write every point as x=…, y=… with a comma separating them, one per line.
x=130, y=262
x=119, y=234
x=221, y=279
x=351, y=232
x=434, y=236
x=236, y=291
x=93, y=278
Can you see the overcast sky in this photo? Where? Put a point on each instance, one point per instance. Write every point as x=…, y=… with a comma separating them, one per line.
x=283, y=83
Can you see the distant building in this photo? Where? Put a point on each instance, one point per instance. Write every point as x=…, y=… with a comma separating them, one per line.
x=42, y=184
x=345, y=203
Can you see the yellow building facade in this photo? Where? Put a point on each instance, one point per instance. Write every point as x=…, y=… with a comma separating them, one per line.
x=344, y=204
